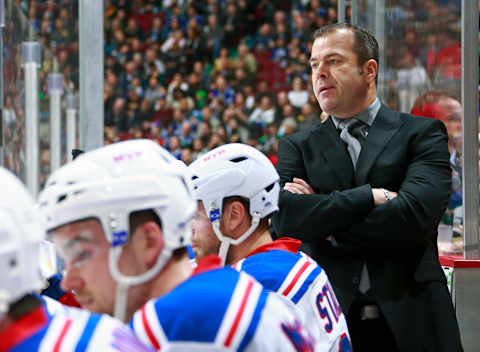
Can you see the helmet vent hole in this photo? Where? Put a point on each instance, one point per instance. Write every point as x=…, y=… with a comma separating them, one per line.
x=13, y=262
x=61, y=198
x=263, y=199
x=270, y=187
x=239, y=159
x=194, y=177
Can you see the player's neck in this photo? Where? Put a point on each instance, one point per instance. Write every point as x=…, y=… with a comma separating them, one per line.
x=176, y=271
x=258, y=238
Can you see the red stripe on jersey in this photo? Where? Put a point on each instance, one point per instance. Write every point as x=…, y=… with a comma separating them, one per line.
x=65, y=328
x=149, y=331
x=295, y=279
x=238, y=317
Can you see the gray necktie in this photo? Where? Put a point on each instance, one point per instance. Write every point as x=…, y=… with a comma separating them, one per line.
x=353, y=134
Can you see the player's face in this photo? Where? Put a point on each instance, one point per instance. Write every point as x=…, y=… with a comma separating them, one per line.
x=339, y=83
x=84, y=248
x=204, y=241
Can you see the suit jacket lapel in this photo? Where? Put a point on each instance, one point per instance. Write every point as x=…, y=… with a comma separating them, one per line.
x=385, y=125
x=326, y=139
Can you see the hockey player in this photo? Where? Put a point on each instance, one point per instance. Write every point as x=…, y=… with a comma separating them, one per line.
x=121, y=218
x=237, y=188
x=26, y=323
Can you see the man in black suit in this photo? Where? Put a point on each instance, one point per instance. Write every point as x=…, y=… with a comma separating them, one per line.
x=365, y=190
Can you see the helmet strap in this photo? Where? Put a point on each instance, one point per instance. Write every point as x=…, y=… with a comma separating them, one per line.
x=225, y=241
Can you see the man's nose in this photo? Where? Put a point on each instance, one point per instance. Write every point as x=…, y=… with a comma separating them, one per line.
x=321, y=71
x=71, y=281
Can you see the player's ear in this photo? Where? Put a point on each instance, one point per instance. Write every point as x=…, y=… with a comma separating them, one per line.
x=234, y=214
x=149, y=242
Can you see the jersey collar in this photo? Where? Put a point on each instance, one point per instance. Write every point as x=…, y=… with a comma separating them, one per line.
x=208, y=263
x=287, y=244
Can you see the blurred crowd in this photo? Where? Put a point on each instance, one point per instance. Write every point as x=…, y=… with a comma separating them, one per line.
x=196, y=74
x=193, y=75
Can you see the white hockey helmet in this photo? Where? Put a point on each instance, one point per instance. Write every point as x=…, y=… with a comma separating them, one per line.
x=21, y=235
x=112, y=182
x=235, y=170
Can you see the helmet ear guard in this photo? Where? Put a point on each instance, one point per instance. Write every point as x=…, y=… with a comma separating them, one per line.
x=235, y=170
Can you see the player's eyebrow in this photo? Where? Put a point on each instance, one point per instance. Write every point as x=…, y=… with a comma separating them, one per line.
x=79, y=239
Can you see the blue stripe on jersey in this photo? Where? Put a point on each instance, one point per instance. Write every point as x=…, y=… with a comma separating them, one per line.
x=270, y=268
x=194, y=310
x=252, y=328
x=88, y=331
x=306, y=284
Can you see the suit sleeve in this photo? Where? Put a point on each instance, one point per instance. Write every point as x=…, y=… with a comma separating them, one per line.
x=411, y=219
x=312, y=217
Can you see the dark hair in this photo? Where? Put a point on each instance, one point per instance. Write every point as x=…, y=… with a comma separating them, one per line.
x=365, y=45
x=23, y=306
x=139, y=217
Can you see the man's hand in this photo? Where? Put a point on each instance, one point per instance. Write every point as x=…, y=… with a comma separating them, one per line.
x=298, y=186
x=382, y=195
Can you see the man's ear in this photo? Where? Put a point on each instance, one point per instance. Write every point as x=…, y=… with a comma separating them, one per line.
x=150, y=242
x=370, y=67
x=234, y=216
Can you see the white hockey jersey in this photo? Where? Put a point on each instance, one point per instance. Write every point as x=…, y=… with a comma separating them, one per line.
x=280, y=267
x=220, y=309
x=71, y=329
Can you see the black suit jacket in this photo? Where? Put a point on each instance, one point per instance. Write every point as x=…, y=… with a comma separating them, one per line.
x=398, y=240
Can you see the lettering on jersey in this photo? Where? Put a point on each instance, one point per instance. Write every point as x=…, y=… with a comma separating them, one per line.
x=328, y=306
x=335, y=308
x=324, y=313
x=344, y=345
x=299, y=337
x=126, y=156
x=124, y=340
x=214, y=155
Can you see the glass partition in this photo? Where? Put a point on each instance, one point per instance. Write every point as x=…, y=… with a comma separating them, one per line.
x=53, y=24
x=420, y=73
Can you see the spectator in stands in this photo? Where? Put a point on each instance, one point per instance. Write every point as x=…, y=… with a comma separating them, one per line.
x=223, y=65
x=262, y=115
x=439, y=105
x=222, y=90
x=246, y=60
x=213, y=36
x=308, y=117
x=412, y=81
x=233, y=26
x=197, y=148
x=298, y=96
x=174, y=147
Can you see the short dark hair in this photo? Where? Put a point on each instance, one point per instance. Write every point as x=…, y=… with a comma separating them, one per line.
x=139, y=217
x=365, y=45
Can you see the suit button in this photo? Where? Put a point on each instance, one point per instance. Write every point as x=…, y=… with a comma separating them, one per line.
x=356, y=280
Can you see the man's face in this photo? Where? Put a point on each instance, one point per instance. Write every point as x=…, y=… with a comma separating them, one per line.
x=339, y=83
x=84, y=248
x=204, y=241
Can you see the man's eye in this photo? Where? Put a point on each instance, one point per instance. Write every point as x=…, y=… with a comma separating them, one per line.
x=333, y=61
x=82, y=257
